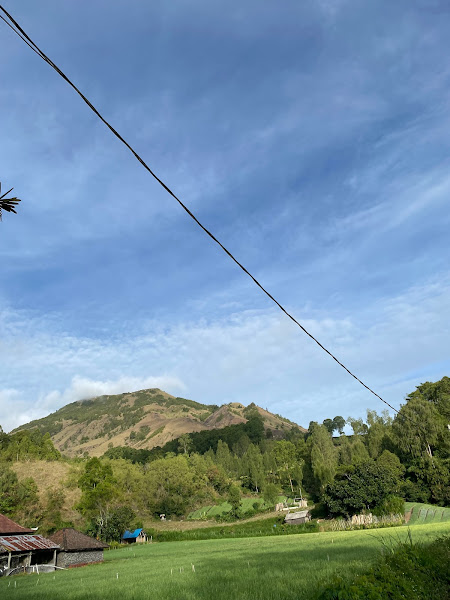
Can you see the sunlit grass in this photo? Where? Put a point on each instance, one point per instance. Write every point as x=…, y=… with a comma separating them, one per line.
x=267, y=568
x=427, y=513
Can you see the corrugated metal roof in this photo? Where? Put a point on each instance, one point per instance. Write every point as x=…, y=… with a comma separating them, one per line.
x=297, y=515
x=130, y=535
x=21, y=543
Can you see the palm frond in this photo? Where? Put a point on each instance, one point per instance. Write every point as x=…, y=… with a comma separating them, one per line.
x=8, y=204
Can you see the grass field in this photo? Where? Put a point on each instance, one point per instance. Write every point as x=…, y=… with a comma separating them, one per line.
x=220, y=509
x=267, y=568
x=426, y=513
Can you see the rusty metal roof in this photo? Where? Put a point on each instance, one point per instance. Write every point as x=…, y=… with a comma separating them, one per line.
x=21, y=543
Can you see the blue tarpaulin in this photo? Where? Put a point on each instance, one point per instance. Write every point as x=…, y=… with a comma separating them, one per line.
x=131, y=535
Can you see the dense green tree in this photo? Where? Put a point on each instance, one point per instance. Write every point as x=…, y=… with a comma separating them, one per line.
x=271, y=494
x=4, y=440
x=234, y=498
x=432, y=474
x=119, y=520
x=358, y=426
x=329, y=425
x=95, y=473
x=17, y=497
x=379, y=433
x=323, y=456
x=172, y=486
x=437, y=393
x=27, y=445
x=339, y=424
x=336, y=424
x=391, y=461
x=223, y=457
x=254, y=428
x=289, y=466
x=185, y=444
x=253, y=468
x=54, y=499
x=364, y=488
x=98, y=491
x=417, y=427
x=240, y=447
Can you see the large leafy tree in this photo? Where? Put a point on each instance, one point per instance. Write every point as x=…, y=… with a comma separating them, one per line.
x=253, y=467
x=366, y=487
x=417, y=427
x=98, y=486
x=336, y=424
x=234, y=498
x=17, y=497
x=289, y=465
x=172, y=485
x=437, y=393
x=323, y=455
x=339, y=424
x=379, y=432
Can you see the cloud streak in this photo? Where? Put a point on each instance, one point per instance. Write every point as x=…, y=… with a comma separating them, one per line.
x=255, y=356
x=313, y=141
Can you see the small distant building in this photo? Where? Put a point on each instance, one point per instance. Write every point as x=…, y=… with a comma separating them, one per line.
x=296, y=518
x=137, y=536
x=76, y=548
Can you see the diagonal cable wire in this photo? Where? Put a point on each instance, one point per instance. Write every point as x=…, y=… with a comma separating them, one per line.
x=24, y=37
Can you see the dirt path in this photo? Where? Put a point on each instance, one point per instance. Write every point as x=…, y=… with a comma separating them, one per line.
x=191, y=524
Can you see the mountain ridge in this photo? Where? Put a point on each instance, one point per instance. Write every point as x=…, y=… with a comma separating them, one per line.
x=142, y=419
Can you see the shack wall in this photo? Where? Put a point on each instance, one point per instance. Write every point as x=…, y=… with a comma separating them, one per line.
x=72, y=559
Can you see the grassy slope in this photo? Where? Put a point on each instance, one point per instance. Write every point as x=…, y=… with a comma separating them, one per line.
x=219, y=509
x=281, y=568
x=426, y=513
x=53, y=475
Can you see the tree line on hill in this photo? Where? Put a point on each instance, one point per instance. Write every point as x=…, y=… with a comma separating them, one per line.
x=386, y=461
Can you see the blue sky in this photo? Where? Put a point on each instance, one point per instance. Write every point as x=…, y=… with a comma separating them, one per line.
x=311, y=137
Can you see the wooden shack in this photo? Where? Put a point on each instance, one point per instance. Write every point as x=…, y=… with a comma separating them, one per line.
x=22, y=550
x=137, y=536
x=27, y=553
x=76, y=548
x=298, y=517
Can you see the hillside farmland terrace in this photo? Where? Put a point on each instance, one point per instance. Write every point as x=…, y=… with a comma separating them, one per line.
x=143, y=420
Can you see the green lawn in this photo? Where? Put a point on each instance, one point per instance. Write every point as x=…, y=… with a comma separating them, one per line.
x=219, y=509
x=267, y=568
x=427, y=513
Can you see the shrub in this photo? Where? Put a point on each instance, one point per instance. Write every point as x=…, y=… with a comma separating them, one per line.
x=418, y=571
x=319, y=511
x=391, y=505
x=270, y=494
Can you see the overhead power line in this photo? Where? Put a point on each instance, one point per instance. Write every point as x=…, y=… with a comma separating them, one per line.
x=18, y=30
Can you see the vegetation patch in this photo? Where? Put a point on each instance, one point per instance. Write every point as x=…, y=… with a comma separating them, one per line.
x=406, y=570
x=281, y=567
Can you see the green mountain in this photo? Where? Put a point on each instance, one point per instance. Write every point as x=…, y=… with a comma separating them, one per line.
x=141, y=419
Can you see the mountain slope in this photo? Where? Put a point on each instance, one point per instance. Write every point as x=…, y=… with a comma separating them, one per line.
x=141, y=419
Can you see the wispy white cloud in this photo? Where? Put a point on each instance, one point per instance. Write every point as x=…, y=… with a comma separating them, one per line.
x=255, y=356
x=312, y=140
